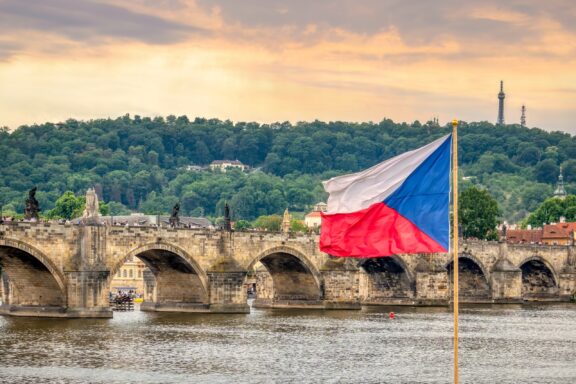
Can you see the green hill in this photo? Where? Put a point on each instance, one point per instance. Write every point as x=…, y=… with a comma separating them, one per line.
x=140, y=163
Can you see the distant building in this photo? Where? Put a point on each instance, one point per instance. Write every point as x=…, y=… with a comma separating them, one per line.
x=560, y=192
x=222, y=165
x=142, y=220
x=551, y=234
x=558, y=234
x=524, y=236
x=194, y=168
x=314, y=218
x=321, y=207
x=501, y=96
x=130, y=277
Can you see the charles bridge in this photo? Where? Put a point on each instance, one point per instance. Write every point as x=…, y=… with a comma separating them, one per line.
x=65, y=270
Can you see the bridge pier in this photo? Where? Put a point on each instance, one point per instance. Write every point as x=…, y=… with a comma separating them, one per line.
x=87, y=293
x=227, y=292
x=506, y=282
x=568, y=277
x=568, y=284
x=432, y=285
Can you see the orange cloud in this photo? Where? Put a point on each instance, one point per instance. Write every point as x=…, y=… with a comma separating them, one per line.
x=289, y=71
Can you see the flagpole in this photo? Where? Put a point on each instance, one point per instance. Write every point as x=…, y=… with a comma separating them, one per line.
x=455, y=230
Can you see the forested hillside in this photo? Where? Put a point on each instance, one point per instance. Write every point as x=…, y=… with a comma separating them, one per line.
x=140, y=163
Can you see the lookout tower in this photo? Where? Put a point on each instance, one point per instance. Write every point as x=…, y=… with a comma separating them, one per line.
x=523, y=116
x=501, y=97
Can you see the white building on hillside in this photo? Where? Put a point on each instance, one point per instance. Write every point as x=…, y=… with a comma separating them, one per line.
x=314, y=218
x=224, y=164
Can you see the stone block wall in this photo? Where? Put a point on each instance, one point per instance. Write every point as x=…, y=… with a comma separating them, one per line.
x=432, y=287
x=227, y=293
x=264, y=285
x=507, y=286
x=341, y=286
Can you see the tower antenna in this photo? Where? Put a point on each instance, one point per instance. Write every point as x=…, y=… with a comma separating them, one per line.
x=523, y=117
x=501, y=97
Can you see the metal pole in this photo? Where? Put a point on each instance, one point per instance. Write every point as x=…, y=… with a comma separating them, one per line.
x=455, y=230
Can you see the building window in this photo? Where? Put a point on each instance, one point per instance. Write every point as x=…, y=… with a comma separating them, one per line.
x=124, y=273
x=139, y=273
x=131, y=273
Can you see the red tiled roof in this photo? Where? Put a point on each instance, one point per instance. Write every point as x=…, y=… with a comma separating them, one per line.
x=314, y=214
x=558, y=231
x=530, y=236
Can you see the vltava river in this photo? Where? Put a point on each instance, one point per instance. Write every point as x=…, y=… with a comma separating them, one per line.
x=500, y=344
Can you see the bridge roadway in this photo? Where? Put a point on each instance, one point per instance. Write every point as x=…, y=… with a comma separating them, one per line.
x=64, y=270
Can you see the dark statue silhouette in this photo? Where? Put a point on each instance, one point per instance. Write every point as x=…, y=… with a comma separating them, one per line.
x=227, y=222
x=32, y=207
x=174, y=218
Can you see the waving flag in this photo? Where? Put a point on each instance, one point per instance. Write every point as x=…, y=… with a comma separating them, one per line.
x=398, y=206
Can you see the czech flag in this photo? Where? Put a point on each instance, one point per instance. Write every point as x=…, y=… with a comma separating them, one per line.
x=398, y=206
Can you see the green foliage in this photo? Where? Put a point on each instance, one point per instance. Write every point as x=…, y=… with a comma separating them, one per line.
x=68, y=206
x=269, y=223
x=478, y=214
x=551, y=210
x=298, y=226
x=242, y=225
x=9, y=210
x=117, y=209
x=138, y=163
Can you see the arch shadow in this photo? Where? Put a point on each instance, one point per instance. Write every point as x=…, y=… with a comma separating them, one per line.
x=290, y=278
x=539, y=279
x=35, y=278
x=542, y=260
x=174, y=271
x=38, y=255
x=387, y=280
x=474, y=279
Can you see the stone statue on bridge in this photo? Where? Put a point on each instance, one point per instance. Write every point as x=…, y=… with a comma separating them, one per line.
x=174, y=217
x=227, y=220
x=286, y=219
x=92, y=209
x=32, y=207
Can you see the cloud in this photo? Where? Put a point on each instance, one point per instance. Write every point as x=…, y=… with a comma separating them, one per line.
x=287, y=59
x=88, y=21
x=417, y=21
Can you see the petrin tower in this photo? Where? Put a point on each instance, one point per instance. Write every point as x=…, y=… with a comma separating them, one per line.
x=501, y=97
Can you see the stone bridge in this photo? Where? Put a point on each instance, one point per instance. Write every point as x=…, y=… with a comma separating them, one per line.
x=65, y=270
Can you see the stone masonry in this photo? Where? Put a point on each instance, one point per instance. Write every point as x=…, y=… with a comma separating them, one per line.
x=65, y=270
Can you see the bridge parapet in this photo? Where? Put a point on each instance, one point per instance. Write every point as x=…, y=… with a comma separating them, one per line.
x=205, y=270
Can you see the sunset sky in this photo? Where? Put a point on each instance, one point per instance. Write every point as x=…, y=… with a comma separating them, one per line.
x=266, y=61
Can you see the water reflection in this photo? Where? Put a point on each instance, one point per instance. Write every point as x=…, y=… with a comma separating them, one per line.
x=504, y=344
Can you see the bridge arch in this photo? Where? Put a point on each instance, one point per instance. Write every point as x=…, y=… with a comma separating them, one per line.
x=474, y=278
x=289, y=277
x=539, y=279
x=386, y=280
x=33, y=278
x=178, y=277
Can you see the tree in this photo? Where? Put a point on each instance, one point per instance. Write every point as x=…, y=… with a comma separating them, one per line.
x=546, y=171
x=298, y=226
x=270, y=223
x=68, y=206
x=552, y=209
x=241, y=225
x=478, y=214
x=117, y=209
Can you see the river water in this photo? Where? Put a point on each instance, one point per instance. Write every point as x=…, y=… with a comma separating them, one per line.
x=498, y=344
